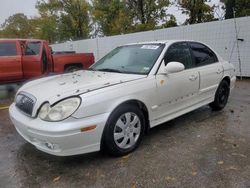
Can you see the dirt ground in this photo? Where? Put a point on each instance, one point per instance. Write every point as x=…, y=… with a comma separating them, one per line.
x=200, y=149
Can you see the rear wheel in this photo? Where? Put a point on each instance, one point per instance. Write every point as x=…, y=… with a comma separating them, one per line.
x=221, y=96
x=124, y=130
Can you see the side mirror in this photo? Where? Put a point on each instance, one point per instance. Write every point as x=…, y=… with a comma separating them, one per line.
x=173, y=67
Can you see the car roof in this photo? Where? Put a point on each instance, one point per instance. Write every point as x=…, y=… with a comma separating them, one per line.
x=13, y=40
x=161, y=42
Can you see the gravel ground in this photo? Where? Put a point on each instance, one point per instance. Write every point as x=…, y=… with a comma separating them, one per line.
x=200, y=149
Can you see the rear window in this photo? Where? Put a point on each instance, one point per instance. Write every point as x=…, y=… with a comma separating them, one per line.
x=8, y=49
x=202, y=54
x=32, y=48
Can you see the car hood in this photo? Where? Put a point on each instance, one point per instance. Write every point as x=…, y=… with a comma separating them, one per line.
x=54, y=88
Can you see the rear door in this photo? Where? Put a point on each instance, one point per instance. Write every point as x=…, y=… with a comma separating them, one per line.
x=34, y=59
x=209, y=68
x=10, y=61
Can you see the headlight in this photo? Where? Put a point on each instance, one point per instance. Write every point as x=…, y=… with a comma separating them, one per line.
x=60, y=111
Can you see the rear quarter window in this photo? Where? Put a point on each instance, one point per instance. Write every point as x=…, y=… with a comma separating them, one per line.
x=202, y=54
x=8, y=49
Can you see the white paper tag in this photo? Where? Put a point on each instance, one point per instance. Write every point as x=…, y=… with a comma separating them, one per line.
x=150, y=47
x=145, y=69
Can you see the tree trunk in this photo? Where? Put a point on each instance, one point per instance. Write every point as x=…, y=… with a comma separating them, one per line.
x=143, y=21
x=230, y=5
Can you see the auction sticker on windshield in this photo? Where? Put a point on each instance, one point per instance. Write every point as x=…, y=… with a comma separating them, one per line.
x=150, y=47
x=145, y=69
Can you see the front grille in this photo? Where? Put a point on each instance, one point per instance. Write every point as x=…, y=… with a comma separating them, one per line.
x=25, y=102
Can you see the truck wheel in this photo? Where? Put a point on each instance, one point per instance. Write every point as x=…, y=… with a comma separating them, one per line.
x=221, y=96
x=72, y=68
x=124, y=130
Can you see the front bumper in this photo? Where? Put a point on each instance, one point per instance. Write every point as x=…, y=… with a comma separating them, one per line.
x=60, y=138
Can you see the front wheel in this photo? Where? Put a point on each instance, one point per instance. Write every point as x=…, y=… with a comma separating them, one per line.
x=124, y=130
x=221, y=96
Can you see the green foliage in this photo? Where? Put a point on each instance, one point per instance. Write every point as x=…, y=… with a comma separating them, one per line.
x=110, y=17
x=126, y=16
x=17, y=26
x=197, y=10
x=47, y=24
x=229, y=6
x=171, y=22
x=75, y=19
x=45, y=28
x=241, y=8
x=64, y=19
x=146, y=15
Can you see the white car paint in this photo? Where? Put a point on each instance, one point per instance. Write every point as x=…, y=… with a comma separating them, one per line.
x=165, y=96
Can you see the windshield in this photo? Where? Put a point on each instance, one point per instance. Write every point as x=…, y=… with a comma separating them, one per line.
x=134, y=59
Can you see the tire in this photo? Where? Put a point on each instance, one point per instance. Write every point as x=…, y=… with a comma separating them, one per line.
x=124, y=130
x=221, y=96
x=72, y=68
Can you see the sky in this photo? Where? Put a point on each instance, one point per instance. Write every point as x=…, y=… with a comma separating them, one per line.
x=10, y=7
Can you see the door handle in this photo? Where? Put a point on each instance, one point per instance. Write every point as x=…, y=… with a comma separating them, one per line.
x=192, y=77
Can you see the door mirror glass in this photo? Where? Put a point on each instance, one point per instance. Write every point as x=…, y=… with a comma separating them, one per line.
x=173, y=67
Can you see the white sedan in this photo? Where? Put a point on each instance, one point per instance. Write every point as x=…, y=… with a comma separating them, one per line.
x=133, y=88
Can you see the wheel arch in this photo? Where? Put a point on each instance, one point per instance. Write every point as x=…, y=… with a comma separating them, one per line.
x=227, y=79
x=73, y=65
x=141, y=105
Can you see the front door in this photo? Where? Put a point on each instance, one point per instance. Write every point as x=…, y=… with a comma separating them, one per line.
x=176, y=91
x=10, y=61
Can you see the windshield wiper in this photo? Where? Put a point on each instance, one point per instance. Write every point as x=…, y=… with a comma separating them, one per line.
x=109, y=70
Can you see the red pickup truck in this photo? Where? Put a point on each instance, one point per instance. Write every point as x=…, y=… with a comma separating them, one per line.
x=22, y=59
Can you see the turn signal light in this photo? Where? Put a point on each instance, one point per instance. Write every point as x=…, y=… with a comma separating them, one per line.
x=89, y=128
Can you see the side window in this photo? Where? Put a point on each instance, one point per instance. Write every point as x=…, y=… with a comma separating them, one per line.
x=179, y=52
x=202, y=54
x=32, y=48
x=8, y=49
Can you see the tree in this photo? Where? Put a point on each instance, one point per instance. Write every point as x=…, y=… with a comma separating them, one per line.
x=229, y=6
x=241, y=8
x=69, y=19
x=197, y=10
x=62, y=20
x=17, y=26
x=45, y=28
x=110, y=17
x=148, y=14
x=75, y=18
x=171, y=22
